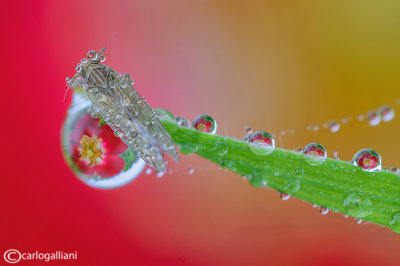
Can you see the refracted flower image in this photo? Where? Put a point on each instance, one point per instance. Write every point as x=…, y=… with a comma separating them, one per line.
x=95, y=149
x=92, y=150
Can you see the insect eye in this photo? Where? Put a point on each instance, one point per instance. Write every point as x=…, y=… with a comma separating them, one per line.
x=92, y=55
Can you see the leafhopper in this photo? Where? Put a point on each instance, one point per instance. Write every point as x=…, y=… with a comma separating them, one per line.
x=117, y=102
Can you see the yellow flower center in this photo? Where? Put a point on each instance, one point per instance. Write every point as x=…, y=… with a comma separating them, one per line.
x=90, y=150
x=367, y=162
x=201, y=127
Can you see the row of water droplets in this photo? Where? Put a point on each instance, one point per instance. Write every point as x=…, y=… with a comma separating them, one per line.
x=262, y=143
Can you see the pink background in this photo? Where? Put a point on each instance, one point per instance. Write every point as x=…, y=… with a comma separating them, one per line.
x=271, y=66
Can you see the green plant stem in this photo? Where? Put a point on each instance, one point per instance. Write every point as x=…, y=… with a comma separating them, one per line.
x=287, y=171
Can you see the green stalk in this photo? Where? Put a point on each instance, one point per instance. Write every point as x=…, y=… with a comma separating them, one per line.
x=336, y=185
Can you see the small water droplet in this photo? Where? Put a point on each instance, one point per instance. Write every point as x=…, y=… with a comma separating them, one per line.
x=346, y=120
x=357, y=205
x=249, y=130
x=360, y=117
x=293, y=186
x=299, y=149
x=261, y=143
x=160, y=174
x=119, y=133
x=284, y=196
x=373, y=118
x=102, y=58
x=358, y=221
x=299, y=172
x=221, y=148
x=334, y=126
x=323, y=210
x=182, y=122
x=315, y=128
x=190, y=170
x=283, y=132
x=314, y=153
x=148, y=171
x=68, y=80
x=258, y=180
x=394, y=222
x=395, y=170
x=386, y=112
x=368, y=160
x=92, y=55
x=205, y=123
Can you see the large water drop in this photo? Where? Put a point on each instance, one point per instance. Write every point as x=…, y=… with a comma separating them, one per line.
x=314, y=153
x=261, y=143
x=368, y=160
x=357, y=205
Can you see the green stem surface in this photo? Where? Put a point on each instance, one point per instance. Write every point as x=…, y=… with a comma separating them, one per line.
x=336, y=185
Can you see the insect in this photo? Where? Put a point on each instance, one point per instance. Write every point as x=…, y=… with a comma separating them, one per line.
x=117, y=102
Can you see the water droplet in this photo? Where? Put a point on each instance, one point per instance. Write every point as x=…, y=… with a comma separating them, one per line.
x=205, y=123
x=346, y=120
x=258, y=180
x=283, y=132
x=68, y=80
x=119, y=133
x=334, y=126
x=386, y=112
x=373, y=118
x=92, y=55
x=190, y=170
x=395, y=170
x=293, y=186
x=299, y=172
x=182, y=122
x=314, y=153
x=160, y=174
x=315, y=128
x=299, y=149
x=78, y=68
x=284, y=196
x=368, y=160
x=358, y=221
x=221, y=148
x=360, y=117
x=357, y=205
x=249, y=130
x=323, y=210
x=394, y=222
x=148, y=171
x=102, y=58
x=261, y=143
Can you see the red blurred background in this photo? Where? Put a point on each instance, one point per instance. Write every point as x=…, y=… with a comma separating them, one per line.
x=268, y=65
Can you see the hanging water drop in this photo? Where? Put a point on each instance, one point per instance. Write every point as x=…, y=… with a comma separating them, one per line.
x=148, y=171
x=160, y=174
x=394, y=222
x=284, y=196
x=221, y=148
x=357, y=205
x=386, y=112
x=373, y=118
x=334, y=126
x=314, y=153
x=261, y=143
x=205, y=123
x=368, y=160
x=395, y=170
x=323, y=210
